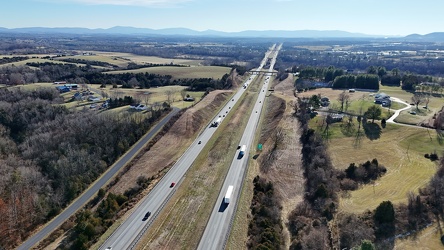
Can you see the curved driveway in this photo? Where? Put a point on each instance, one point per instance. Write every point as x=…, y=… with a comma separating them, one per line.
x=397, y=112
x=99, y=183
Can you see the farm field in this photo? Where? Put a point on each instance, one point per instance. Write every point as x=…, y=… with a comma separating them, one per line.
x=152, y=95
x=147, y=59
x=215, y=72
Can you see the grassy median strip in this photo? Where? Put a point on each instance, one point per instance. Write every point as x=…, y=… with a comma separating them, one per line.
x=184, y=218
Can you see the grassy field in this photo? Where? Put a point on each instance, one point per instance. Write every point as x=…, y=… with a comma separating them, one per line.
x=215, y=72
x=40, y=60
x=119, y=59
x=427, y=239
x=153, y=95
x=101, y=58
x=186, y=214
x=400, y=149
x=139, y=59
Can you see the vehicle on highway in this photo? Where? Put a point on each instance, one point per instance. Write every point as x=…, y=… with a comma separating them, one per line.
x=146, y=216
x=199, y=142
x=242, y=151
x=109, y=248
x=172, y=184
x=227, y=196
x=216, y=122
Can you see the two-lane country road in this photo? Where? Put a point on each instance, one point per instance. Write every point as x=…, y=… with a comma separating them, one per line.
x=99, y=183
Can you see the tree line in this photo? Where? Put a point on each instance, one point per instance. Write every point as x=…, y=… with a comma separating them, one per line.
x=265, y=228
x=51, y=72
x=50, y=154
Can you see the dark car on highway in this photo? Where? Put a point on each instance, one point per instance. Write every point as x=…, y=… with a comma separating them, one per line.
x=146, y=216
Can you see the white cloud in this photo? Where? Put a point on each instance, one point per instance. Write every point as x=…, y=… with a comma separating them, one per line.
x=129, y=2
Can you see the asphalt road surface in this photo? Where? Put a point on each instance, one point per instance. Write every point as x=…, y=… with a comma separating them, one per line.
x=88, y=194
x=218, y=227
x=129, y=232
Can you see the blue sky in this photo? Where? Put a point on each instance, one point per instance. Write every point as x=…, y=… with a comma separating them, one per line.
x=377, y=17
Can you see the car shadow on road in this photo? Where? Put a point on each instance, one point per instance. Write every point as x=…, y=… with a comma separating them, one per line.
x=223, y=206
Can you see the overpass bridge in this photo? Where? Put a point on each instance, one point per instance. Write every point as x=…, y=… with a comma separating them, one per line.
x=261, y=72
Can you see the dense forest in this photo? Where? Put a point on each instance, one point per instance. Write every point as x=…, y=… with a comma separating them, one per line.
x=50, y=154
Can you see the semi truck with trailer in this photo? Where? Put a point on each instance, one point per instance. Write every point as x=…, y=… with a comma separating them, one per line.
x=227, y=197
x=217, y=122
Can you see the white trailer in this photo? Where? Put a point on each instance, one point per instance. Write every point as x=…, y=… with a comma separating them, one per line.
x=216, y=123
x=227, y=197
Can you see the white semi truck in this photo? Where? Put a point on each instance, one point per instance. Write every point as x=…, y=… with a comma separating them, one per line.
x=217, y=122
x=228, y=195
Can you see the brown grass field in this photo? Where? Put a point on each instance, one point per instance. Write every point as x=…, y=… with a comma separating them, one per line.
x=401, y=150
x=147, y=59
x=154, y=95
x=214, y=72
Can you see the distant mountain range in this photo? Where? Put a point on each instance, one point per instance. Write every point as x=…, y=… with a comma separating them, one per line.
x=189, y=32
x=123, y=30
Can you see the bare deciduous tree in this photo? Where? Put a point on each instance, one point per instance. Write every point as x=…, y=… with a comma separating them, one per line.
x=417, y=99
x=344, y=98
x=170, y=93
x=183, y=93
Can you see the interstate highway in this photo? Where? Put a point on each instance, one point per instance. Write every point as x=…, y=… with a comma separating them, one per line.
x=219, y=224
x=130, y=231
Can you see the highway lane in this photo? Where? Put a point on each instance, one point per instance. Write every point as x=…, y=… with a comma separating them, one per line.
x=88, y=194
x=218, y=226
x=130, y=231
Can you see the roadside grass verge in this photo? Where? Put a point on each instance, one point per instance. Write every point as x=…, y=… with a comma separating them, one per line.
x=215, y=72
x=281, y=171
x=185, y=216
